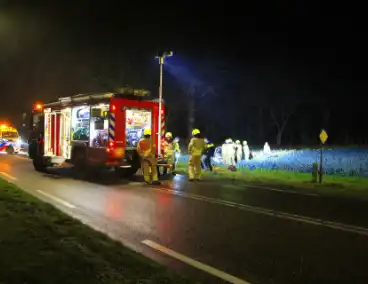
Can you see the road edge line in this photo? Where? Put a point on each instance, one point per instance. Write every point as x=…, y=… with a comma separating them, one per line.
x=55, y=198
x=283, y=191
x=194, y=263
x=273, y=213
x=9, y=176
x=265, y=187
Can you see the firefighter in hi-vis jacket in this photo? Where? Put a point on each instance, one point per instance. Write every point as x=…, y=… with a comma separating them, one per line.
x=169, y=149
x=146, y=149
x=195, y=149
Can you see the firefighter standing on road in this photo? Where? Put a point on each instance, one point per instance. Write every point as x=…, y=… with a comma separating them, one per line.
x=209, y=153
x=146, y=149
x=169, y=149
x=195, y=149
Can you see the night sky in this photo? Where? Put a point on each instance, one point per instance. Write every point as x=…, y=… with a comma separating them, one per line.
x=300, y=56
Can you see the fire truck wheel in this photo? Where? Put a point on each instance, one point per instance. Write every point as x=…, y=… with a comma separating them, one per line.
x=79, y=160
x=126, y=172
x=39, y=165
x=10, y=150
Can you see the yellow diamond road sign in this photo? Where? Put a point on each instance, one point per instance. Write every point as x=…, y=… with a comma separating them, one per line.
x=323, y=136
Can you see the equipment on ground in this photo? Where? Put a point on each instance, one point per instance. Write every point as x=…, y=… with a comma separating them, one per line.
x=93, y=131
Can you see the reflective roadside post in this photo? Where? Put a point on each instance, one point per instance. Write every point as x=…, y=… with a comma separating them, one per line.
x=323, y=137
x=161, y=59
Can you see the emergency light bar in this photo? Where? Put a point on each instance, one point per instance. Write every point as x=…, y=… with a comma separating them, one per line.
x=37, y=107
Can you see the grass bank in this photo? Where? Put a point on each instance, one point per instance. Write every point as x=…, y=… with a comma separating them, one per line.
x=40, y=244
x=356, y=187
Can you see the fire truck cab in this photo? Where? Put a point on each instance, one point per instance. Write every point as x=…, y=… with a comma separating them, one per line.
x=96, y=130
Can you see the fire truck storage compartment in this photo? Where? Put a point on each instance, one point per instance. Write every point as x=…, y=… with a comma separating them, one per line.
x=136, y=120
x=80, y=123
x=57, y=134
x=52, y=133
x=125, y=110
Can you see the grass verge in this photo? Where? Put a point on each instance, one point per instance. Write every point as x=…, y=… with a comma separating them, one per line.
x=355, y=187
x=40, y=244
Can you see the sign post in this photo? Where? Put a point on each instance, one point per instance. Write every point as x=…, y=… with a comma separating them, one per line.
x=323, y=138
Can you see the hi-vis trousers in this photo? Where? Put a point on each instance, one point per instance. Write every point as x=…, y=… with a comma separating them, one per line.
x=170, y=161
x=149, y=168
x=195, y=170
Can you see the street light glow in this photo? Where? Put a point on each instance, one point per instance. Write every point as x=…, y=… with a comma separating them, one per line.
x=161, y=57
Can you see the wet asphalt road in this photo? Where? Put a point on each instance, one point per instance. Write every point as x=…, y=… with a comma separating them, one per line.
x=258, y=235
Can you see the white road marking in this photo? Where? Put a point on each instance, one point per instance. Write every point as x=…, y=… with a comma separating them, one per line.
x=271, y=189
x=57, y=199
x=8, y=176
x=283, y=191
x=230, y=185
x=279, y=214
x=199, y=265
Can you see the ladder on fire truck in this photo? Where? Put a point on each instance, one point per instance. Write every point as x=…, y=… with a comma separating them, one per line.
x=84, y=98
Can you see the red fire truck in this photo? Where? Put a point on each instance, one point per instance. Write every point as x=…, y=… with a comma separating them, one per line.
x=94, y=130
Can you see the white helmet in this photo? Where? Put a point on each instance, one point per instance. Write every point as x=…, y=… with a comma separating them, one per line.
x=237, y=142
x=245, y=143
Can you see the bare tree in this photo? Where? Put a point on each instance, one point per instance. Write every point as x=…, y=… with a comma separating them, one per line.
x=280, y=117
x=192, y=87
x=193, y=95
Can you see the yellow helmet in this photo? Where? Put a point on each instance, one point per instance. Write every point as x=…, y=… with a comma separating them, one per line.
x=195, y=132
x=147, y=131
x=168, y=135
